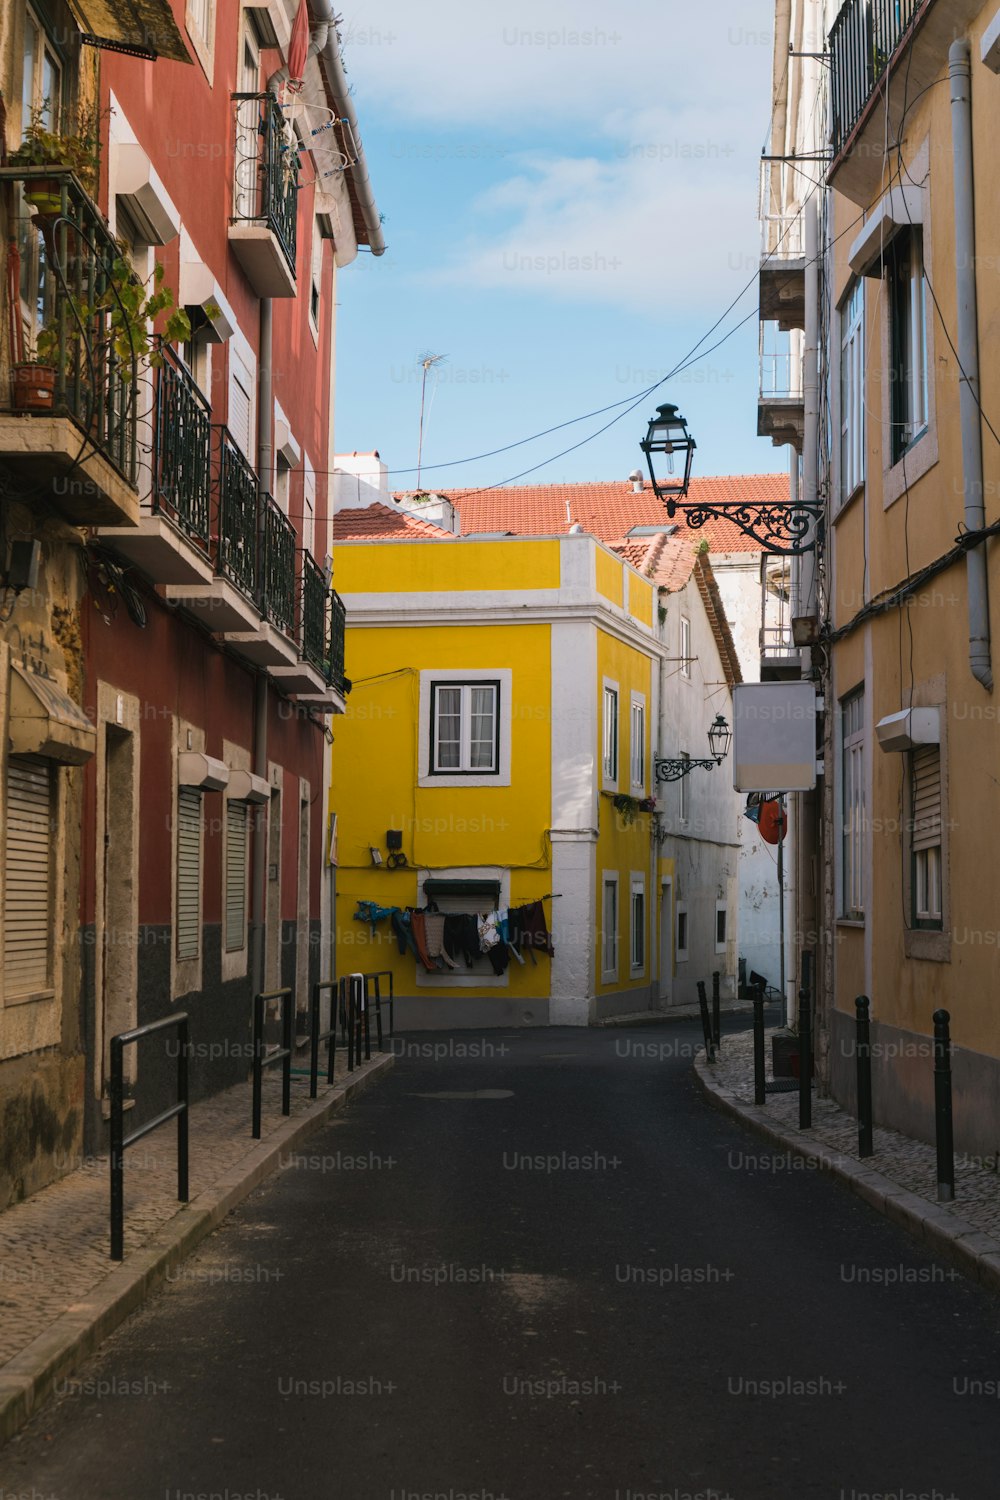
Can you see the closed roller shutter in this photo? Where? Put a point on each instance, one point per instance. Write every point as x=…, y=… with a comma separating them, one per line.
x=926, y=798
x=29, y=835
x=188, y=872
x=236, y=876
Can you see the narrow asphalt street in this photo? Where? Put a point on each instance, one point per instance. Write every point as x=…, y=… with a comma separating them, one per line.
x=538, y=1265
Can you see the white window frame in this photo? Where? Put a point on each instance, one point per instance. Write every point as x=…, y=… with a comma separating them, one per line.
x=637, y=963
x=308, y=538
x=928, y=861
x=686, y=653
x=637, y=742
x=852, y=390
x=909, y=371
x=610, y=734
x=199, y=22
x=609, y=932
x=429, y=680
x=465, y=692
x=680, y=911
x=315, y=278
x=721, y=909
x=243, y=372
x=853, y=817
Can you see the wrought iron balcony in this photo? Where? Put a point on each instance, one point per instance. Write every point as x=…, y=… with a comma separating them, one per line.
x=314, y=614
x=265, y=195
x=237, y=505
x=865, y=37
x=338, y=631
x=70, y=281
x=182, y=450
x=277, y=566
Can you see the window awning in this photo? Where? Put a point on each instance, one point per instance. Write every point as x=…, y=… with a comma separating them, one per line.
x=148, y=201
x=195, y=769
x=244, y=786
x=142, y=28
x=900, y=208
x=435, y=888
x=44, y=721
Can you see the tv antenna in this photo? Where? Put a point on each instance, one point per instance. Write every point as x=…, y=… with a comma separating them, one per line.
x=428, y=362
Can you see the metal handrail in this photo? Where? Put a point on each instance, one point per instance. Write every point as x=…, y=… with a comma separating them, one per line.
x=316, y=1036
x=277, y=566
x=377, y=977
x=79, y=296
x=864, y=39
x=283, y=1054
x=120, y=1142
x=314, y=597
x=353, y=998
x=236, y=518
x=182, y=449
x=338, y=631
x=265, y=180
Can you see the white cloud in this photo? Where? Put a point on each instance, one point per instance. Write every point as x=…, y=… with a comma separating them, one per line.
x=655, y=207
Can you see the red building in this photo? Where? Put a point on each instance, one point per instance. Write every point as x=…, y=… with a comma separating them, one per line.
x=167, y=777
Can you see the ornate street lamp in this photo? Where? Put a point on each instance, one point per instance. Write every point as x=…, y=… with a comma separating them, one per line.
x=669, y=439
x=719, y=739
x=784, y=528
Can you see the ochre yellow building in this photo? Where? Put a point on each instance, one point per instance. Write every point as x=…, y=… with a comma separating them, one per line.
x=502, y=699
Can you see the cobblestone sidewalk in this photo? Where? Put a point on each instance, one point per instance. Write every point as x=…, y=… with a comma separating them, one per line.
x=900, y=1179
x=54, y=1247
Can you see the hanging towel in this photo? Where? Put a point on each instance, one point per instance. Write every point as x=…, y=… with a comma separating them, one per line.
x=418, y=928
x=434, y=935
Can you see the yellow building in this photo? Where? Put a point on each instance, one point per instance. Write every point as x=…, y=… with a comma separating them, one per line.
x=899, y=302
x=502, y=699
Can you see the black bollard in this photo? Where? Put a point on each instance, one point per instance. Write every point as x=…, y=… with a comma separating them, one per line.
x=759, y=1084
x=863, y=1048
x=706, y=1022
x=805, y=1044
x=716, y=1016
x=942, y=1108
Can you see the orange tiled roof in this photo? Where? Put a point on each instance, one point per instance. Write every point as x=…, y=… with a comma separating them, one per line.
x=609, y=511
x=379, y=523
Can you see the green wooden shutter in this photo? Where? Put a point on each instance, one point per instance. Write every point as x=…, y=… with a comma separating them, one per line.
x=236, y=876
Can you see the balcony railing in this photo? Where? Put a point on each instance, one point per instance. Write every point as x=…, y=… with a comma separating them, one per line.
x=71, y=280
x=776, y=640
x=277, y=566
x=315, y=594
x=338, y=631
x=182, y=450
x=863, y=41
x=265, y=186
x=780, y=364
x=237, y=512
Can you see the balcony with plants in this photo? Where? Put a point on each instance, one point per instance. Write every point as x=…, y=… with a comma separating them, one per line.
x=262, y=227
x=884, y=56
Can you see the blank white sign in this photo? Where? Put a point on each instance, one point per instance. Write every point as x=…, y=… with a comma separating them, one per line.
x=774, y=737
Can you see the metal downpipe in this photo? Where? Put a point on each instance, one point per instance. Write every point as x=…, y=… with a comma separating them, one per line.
x=960, y=73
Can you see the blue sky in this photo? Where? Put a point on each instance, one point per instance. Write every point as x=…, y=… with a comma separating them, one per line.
x=570, y=196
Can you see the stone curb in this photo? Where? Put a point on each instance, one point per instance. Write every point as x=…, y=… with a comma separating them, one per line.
x=29, y=1379
x=968, y=1249
x=675, y=1013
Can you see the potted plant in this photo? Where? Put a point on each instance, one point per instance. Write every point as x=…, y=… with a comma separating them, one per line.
x=132, y=306
x=626, y=807
x=33, y=385
x=44, y=147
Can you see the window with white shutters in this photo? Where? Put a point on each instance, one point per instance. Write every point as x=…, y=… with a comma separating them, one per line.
x=236, y=876
x=28, y=871
x=188, y=923
x=240, y=403
x=925, y=838
x=852, y=391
